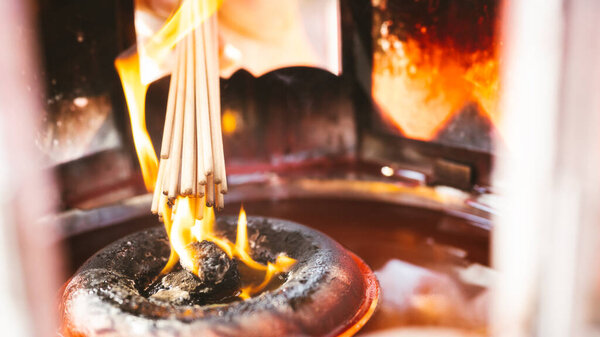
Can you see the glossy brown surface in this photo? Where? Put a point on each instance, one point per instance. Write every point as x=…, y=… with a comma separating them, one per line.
x=377, y=231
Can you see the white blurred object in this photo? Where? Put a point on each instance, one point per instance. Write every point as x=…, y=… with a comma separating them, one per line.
x=546, y=238
x=413, y=295
x=30, y=265
x=256, y=35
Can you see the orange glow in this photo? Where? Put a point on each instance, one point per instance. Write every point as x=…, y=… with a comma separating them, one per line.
x=282, y=264
x=157, y=48
x=186, y=229
x=242, y=249
x=369, y=305
x=128, y=68
x=178, y=26
x=419, y=86
x=229, y=122
x=181, y=233
x=173, y=257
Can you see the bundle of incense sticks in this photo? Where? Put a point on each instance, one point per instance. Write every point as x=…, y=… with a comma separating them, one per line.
x=192, y=163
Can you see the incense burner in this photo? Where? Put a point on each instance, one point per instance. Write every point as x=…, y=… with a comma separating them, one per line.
x=328, y=292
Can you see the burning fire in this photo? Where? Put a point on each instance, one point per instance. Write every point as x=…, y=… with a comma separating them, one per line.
x=433, y=59
x=186, y=229
x=191, y=222
x=420, y=86
x=187, y=220
x=135, y=95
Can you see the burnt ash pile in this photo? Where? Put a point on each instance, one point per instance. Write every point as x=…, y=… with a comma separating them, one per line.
x=118, y=292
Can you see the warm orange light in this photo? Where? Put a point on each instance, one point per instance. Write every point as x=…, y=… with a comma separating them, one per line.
x=419, y=86
x=181, y=233
x=229, y=122
x=185, y=229
x=282, y=264
x=483, y=75
x=242, y=249
x=178, y=26
x=241, y=239
x=128, y=68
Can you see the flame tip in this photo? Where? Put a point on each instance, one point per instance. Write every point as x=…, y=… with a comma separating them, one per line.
x=186, y=218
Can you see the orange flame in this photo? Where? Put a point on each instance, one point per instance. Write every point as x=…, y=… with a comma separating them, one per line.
x=187, y=229
x=128, y=68
x=157, y=48
x=419, y=86
x=178, y=26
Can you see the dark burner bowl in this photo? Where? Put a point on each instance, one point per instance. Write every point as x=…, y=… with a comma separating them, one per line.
x=328, y=292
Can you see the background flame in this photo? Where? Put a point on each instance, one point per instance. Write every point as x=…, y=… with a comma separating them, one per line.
x=420, y=86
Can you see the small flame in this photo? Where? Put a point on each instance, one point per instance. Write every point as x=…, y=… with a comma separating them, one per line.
x=242, y=248
x=229, y=122
x=181, y=233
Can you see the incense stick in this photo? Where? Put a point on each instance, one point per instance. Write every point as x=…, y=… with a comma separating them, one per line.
x=158, y=187
x=203, y=95
x=210, y=192
x=192, y=160
x=168, y=130
x=177, y=141
x=188, y=156
x=211, y=52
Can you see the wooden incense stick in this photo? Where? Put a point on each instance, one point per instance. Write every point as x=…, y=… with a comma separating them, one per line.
x=177, y=141
x=200, y=204
x=192, y=160
x=169, y=120
x=188, y=156
x=173, y=87
x=212, y=54
x=158, y=187
x=201, y=99
x=202, y=95
x=210, y=192
x=220, y=199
